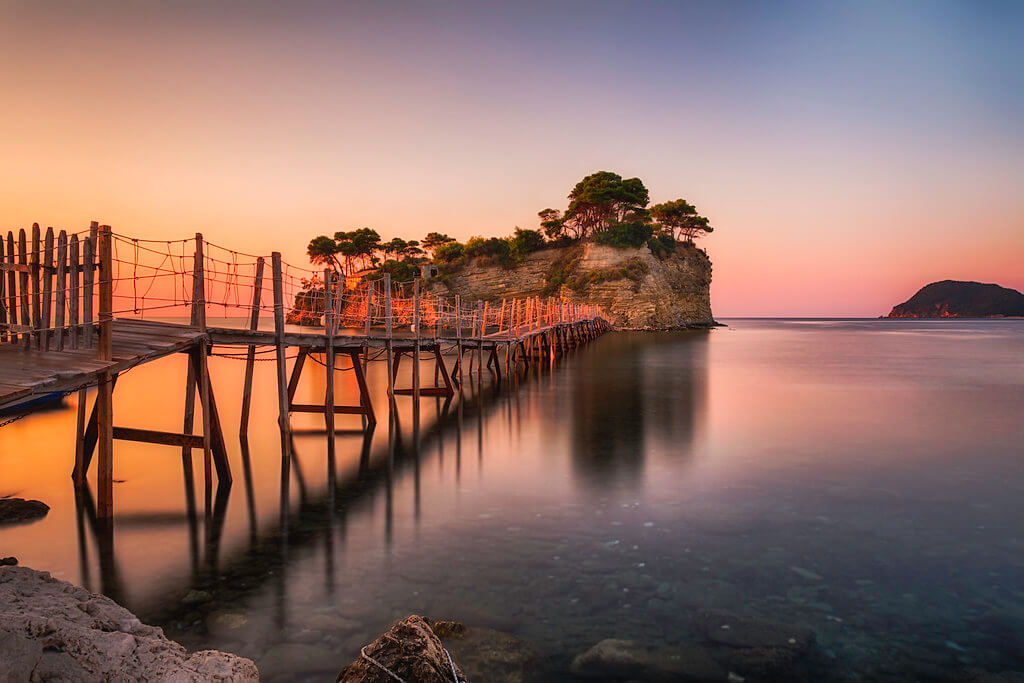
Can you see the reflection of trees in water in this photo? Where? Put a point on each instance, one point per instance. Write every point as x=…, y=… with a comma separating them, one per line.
x=632, y=392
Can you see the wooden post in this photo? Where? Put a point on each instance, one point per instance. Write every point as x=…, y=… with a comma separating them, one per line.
x=387, y=336
x=34, y=263
x=46, y=272
x=458, y=334
x=481, y=312
x=60, y=297
x=198, y=286
x=369, y=325
x=329, y=361
x=250, y=358
x=416, y=341
x=282, y=380
x=12, y=280
x=88, y=276
x=104, y=395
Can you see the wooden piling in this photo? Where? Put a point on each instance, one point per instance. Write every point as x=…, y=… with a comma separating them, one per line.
x=458, y=335
x=416, y=339
x=387, y=336
x=329, y=360
x=104, y=395
x=46, y=273
x=282, y=381
x=250, y=357
x=37, y=337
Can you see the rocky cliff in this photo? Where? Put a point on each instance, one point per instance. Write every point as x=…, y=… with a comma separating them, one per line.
x=636, y=288
x=957, y=299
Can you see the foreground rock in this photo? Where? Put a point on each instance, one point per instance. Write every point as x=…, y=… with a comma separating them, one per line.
x=21, y=511
x=410, y=650
x=754, y=646
x=625, y=659
x=53, y=630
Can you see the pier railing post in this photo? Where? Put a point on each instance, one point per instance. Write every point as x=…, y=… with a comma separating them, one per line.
x=250, y=357
x=329, y=361
x=387, y=336
x=282, y=370
x=416, y=340
x=458, y=334
x=104, y=395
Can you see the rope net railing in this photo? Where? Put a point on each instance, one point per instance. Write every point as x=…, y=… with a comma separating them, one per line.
x=52, y=286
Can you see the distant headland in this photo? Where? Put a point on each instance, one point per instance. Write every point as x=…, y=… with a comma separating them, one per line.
x=959, y=299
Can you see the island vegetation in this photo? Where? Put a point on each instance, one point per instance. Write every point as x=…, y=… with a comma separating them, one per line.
x=603, y=207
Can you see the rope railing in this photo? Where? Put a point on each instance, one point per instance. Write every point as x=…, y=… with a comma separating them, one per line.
x=55, y=293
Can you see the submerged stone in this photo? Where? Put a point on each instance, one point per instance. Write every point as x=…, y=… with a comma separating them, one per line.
x=613, y=658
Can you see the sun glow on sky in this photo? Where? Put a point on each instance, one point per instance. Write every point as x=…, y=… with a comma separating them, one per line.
x=846, y=153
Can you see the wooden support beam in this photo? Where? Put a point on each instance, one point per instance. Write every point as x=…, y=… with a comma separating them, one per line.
x=364, y=391
x=322, y=409
x=152, y=436
x=329, y=360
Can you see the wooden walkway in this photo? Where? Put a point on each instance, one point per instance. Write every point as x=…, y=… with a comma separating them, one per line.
x=50, y=343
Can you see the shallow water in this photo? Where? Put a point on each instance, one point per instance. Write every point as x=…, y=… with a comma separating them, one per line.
x=862, y=478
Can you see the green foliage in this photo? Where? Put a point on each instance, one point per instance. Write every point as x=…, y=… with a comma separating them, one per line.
x=662, y=244
x=400, y=271
x=526, y=242
x=552, y=223
x=449, y=252
x=408, y=252
x=347, y=251
x=625, y=234
x=604, y=198
x=491, y=249
x=680, y=219
x=433, y=240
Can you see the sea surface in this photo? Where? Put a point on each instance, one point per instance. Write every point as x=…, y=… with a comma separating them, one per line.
x=862, y=478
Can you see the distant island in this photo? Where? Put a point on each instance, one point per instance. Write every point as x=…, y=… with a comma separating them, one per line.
x=958, y=299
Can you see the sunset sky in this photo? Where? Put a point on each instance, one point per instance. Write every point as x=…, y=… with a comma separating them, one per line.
x=847, y=153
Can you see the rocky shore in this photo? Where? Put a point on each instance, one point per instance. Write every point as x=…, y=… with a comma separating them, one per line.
x=51, y=630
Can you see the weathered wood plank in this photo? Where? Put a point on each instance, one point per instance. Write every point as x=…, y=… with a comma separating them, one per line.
x=152, y=436
x=60, y=293
x=47, y=275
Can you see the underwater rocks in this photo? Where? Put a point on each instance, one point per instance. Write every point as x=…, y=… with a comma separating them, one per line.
x=410, y=650
x=485, y=654
x=737, y=646
x=21, y=511
x=627, y=659
x=53, y=630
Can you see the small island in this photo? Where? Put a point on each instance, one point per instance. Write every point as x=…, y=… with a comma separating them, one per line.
x=959, y=299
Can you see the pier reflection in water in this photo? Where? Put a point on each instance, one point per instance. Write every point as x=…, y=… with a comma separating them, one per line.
x=645, y=478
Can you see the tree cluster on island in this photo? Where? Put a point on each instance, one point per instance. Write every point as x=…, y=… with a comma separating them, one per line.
x=603, y=207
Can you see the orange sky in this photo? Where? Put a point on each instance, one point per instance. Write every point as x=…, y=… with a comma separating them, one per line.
x=841, y=173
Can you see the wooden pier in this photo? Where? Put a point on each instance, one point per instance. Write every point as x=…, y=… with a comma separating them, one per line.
x=73, y=313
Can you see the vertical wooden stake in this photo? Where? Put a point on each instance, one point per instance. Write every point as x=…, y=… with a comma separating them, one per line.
x=60, y=298
x=282, y=380
x=387, y=336
x=458, y=334
x=416, y=341
x=104, y=396
x=47, y=277
x=250, y=358
x=329, y=339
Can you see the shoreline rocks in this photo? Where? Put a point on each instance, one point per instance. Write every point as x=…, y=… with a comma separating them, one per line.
x=410, y=650
x=53, y=630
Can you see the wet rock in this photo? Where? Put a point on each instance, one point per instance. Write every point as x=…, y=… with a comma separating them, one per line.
x=8, y=561
x=21, y=511
x=65, y=632
x=410, y=650
x=196, y=597
x=754, y=646
x=627, y=659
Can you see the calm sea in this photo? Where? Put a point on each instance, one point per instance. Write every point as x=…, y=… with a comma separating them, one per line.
x=861, y=478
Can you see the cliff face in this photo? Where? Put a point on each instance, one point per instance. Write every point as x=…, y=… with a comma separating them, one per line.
x=957, y=299
x=637, y=289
